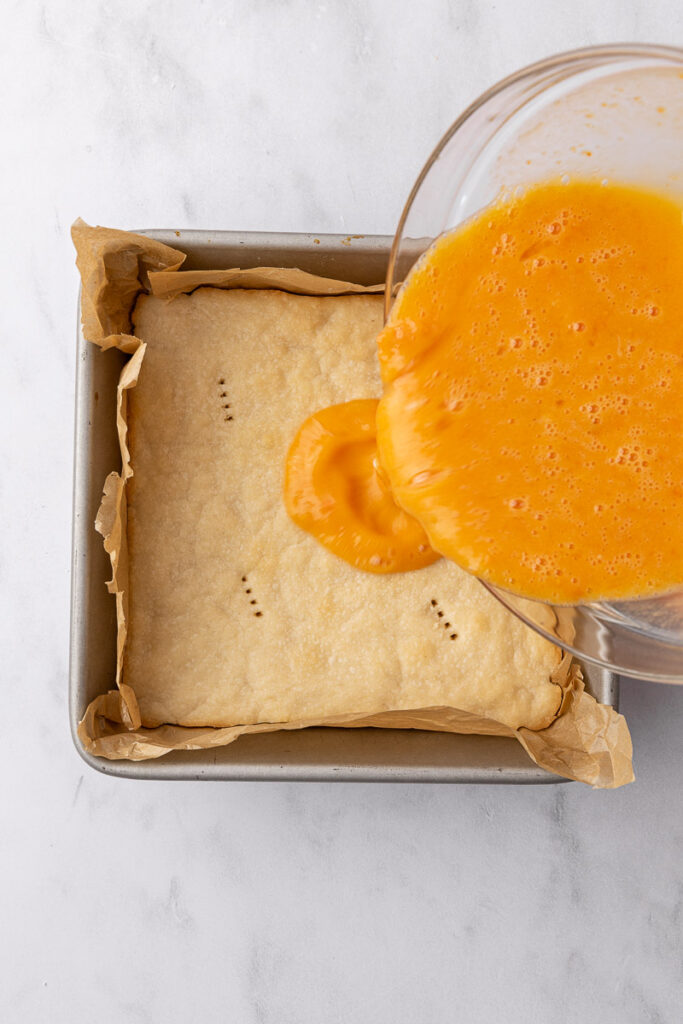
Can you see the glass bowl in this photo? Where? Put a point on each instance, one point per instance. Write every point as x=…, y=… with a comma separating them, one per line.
x=609, y=113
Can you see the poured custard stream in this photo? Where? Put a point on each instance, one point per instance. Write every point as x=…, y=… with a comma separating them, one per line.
x=532, y=415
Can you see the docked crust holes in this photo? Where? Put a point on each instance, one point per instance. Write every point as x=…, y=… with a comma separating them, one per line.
x=253, y=603
x=223, y=398
x=434, y=604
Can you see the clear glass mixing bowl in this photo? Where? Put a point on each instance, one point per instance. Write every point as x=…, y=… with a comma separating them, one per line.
x=609, y=112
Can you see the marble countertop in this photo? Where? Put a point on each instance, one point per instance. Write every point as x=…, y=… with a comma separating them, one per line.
x=276, y=903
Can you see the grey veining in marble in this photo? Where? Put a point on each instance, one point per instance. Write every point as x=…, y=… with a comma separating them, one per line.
x=277, y=903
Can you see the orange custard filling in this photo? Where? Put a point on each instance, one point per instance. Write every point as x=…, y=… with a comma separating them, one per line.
x=533, y=406
x=336, y=490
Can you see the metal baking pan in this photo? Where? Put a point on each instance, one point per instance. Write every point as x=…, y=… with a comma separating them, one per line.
x=368, y=755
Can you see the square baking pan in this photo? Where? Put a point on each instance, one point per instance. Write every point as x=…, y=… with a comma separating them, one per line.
x=316, y=754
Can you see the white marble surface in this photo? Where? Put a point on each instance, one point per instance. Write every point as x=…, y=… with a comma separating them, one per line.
x=279, y=903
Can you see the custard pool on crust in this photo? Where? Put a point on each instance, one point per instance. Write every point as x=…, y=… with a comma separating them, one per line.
x=336, y=490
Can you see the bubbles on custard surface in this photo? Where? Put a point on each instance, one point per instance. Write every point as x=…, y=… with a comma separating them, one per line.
x=615, y=379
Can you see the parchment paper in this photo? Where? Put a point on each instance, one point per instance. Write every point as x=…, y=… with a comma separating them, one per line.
x=167, y=283
x=587, y=741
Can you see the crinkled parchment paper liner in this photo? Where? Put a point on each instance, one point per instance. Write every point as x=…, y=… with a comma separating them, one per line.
x=587, y=741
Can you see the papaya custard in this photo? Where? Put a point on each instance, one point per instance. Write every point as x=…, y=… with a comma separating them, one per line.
x=336, y=489
x=533, y=394
x=532, y=412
